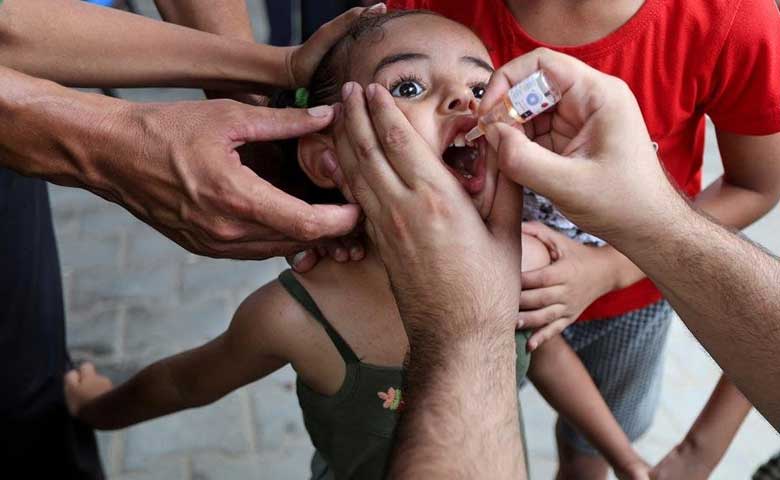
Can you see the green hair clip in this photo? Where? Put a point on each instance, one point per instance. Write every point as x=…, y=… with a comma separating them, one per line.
x=301, y=97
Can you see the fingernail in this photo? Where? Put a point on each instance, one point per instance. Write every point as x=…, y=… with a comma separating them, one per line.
x=379, y=7
x=520, y=324
x=320, y=111
x=371, y=91
x=298, y=258
x=347, y=89
x=329, y=162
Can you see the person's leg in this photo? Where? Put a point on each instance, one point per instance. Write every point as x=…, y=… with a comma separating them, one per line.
x=36, y=433
x=624, y=355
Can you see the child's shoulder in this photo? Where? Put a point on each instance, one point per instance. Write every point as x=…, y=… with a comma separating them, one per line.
x=271, y=319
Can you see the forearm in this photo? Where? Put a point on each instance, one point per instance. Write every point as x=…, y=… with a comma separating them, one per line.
x=730, y=204
x=53, y=132
x=228, y=18
x=556, y=372
x=719, y=421
x=78, y=44
x=460, y=409
x=724, y=288
x=150, y=394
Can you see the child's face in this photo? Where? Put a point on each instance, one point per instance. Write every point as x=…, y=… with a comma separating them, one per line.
x=437, y=71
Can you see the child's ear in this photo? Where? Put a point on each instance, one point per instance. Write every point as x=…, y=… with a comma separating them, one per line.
x=310, y=152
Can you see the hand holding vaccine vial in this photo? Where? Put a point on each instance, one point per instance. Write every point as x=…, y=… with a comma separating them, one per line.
x=525, y=100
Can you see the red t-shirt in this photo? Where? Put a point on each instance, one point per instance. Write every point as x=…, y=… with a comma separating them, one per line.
x=682, y=59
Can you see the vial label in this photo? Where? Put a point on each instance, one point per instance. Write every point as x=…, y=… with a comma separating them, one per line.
x=531, y=97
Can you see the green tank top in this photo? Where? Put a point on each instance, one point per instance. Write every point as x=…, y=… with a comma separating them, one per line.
x=352, y=430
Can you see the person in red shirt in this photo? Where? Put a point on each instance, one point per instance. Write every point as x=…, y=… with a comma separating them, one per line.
x=683, y=60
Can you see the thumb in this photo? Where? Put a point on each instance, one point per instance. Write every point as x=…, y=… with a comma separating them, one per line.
x=528, y=163
x=71, y=378
x=505, y=217
x=261, y=124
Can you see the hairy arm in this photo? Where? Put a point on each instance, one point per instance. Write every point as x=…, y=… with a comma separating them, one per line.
x=253, y=347
x=556, y=371
x=78, y=44
x=747, y=190
x=724, y=288
x=459, y=400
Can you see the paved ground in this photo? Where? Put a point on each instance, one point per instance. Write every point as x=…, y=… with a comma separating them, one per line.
x=133, y=297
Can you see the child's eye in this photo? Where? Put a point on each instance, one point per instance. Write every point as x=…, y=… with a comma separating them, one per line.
x=407, y=89
x=478, y=90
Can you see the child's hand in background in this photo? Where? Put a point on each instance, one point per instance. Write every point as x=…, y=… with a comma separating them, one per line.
x=82, y=385
x=684, y=461
x=554, y=296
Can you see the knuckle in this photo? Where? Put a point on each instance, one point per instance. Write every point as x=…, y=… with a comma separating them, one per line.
x=399, y=223
x=353, y=13
x=225, y=232
x=307, y=228
x=434, y=204
x=544, y=52
x=395, y=138
x=366, y=149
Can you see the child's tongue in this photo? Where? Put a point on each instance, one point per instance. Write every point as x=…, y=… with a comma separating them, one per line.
x=464, y=163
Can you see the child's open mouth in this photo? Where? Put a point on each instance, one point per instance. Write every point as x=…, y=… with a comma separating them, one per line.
x=466, y=162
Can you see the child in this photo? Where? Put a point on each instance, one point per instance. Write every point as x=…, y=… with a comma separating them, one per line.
x=696, y=457
x=682, y=59
x=338, y=325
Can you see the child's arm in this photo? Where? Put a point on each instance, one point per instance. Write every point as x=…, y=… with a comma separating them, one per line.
x=710, y=436
x=255, y=345
x=557, y=373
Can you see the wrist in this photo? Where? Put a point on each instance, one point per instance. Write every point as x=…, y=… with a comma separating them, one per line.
x=54, y=129
x=695, y=444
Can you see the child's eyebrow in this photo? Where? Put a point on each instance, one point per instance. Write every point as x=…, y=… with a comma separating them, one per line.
x=478, y=62
x=400, y=57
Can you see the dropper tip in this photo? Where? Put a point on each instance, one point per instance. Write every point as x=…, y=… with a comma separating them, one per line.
x=474, y=134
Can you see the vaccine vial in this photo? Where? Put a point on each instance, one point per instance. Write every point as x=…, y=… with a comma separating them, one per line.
x=525, y=100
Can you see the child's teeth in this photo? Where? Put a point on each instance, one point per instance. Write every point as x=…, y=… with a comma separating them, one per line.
x=460, y=141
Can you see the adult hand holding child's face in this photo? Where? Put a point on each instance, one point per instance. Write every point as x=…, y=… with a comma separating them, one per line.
x=439, y=253
x=455, y=281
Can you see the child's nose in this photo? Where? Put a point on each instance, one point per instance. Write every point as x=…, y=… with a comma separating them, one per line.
x=461, y=102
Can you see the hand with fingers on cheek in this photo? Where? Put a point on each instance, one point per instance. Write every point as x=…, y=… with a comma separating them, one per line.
x=349, y=248
x=455, y=279
x=187, y=181
x=554, y=296
x=423, y=223
x=82, y=385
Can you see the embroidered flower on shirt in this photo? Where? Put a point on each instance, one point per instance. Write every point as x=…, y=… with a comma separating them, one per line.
x=392, y=399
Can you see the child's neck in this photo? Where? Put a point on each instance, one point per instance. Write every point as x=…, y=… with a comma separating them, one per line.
x=572, y=22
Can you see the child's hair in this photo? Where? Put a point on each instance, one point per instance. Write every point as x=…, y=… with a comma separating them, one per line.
x=324, y=89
